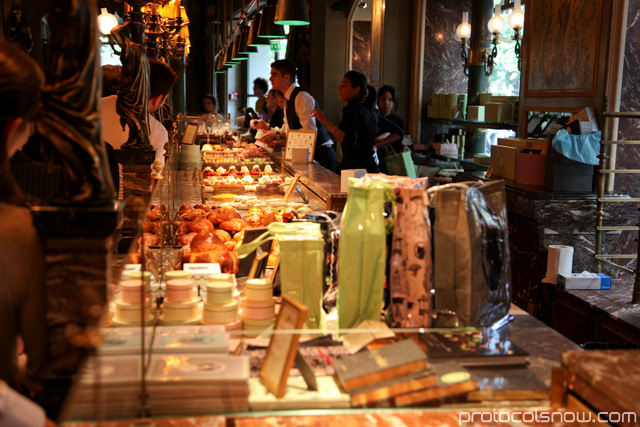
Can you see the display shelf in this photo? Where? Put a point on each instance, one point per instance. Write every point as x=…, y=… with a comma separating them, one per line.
x=472, y=124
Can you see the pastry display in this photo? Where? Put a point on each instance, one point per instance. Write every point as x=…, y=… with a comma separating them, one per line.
x=258, y=306
x=128, y=309
x=181, y=305
x=220, y=308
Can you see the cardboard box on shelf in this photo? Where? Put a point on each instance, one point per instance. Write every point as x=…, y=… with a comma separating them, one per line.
x=503, y=161
x=475, y=112
x=526, y=144
x=498, y=112
x=530, y=168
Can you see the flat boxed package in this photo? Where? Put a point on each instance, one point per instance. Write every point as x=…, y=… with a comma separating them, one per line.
x=577, y=281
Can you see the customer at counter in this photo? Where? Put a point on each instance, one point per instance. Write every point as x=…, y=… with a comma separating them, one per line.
x=359, y=123
x=387, y=102
x=297, y=115
x=275, y=106
x=260, y=88
x=210, y=104
x=114, y=132
x=22, y=292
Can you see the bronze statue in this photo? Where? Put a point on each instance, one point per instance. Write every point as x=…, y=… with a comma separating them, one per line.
x=18, y=30
x=69, y=124
x=133, y=98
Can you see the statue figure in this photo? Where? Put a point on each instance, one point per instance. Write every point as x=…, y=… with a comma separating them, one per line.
x=133, y=98
x=68, y=123
x=18, y=30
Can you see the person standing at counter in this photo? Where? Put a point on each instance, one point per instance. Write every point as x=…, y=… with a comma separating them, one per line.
x=387, y=102
x=359, y=123
x=22, y=289
x=275, y=105
x=210, y=104
x=297, y=115
x=260, y=88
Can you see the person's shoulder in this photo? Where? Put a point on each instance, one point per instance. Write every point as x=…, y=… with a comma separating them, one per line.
x=16, y=224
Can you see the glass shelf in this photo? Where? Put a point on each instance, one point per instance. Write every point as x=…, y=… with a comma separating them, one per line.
x=473, y=124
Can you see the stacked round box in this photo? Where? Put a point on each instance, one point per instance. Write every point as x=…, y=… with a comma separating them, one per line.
x=181, y=306
x=128, y=309
x=258, y=306
x=220, y=308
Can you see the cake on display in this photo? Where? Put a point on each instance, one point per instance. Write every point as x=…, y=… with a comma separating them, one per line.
x=258, y=306
x=220, y=308
x=181, y=306
x=128, y=310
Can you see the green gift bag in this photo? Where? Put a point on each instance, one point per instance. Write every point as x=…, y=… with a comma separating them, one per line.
x=301, y=264
x=362, y=255
x=401, y=164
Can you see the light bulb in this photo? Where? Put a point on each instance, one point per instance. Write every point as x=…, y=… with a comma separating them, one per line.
x=106, y=22
x=463, y=31
x=516, y=19
x=496, y=23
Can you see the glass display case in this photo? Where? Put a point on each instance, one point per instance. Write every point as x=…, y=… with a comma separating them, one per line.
x=182, y=342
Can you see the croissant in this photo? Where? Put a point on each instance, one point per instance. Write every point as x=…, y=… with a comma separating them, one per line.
x=194, y=214
x=220, y=215
x=205, y=242
x=185, y=239
x=223, y=235
x=185, y=209
x=234, y=225
x=268, y=216
x=254, y=220
x=204, y=207
x=201, y=225
x=287, y=215
x=149, y=239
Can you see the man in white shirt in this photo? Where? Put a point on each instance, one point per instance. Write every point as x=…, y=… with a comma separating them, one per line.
x=162, y=79
x=297, y=115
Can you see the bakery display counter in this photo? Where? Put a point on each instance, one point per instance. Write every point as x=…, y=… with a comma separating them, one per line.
x=197, y=371
x=322, y=182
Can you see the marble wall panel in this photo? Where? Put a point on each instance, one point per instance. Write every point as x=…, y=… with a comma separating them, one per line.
x=443, y=71
x=361, y=56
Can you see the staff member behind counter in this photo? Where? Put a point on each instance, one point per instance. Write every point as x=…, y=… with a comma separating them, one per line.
x=297, y=115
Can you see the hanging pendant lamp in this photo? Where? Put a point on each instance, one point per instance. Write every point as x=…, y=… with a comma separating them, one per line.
x=253, y=39
x=244, y=37
x=228, y=61
x=292, y=12
x=237, y=56
x=268, y=28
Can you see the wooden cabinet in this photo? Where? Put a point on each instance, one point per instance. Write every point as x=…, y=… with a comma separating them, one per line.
x=573, y=318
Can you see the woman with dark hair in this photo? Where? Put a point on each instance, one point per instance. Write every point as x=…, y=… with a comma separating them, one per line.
x=22, y=293
x=387, y=103
x=359, y=123
x=210, y=104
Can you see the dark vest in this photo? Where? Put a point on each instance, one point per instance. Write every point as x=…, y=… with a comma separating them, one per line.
x=294, y=121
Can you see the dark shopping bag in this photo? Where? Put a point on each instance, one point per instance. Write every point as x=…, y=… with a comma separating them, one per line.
x=472, y=269
x=400, y=164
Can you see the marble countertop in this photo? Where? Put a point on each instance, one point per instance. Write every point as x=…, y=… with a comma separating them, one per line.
x=615, y=301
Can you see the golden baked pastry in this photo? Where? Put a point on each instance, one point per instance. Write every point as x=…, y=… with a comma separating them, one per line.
x=223, y=235
x=235, y=224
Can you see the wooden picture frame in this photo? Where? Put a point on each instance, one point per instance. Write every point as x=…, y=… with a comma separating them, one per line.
x=282, y=350
x=300, y=139
x=562, y=59
x=190, y=134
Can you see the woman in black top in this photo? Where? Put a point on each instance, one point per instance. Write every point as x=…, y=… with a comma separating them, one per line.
x=387, y=102
x=359, y=123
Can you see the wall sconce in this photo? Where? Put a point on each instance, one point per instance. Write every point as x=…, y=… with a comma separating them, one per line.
x=463, y=32
x=516, y=21
x=495, y=26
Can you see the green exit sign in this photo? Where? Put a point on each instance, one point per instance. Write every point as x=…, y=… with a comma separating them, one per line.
x=275, y=45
